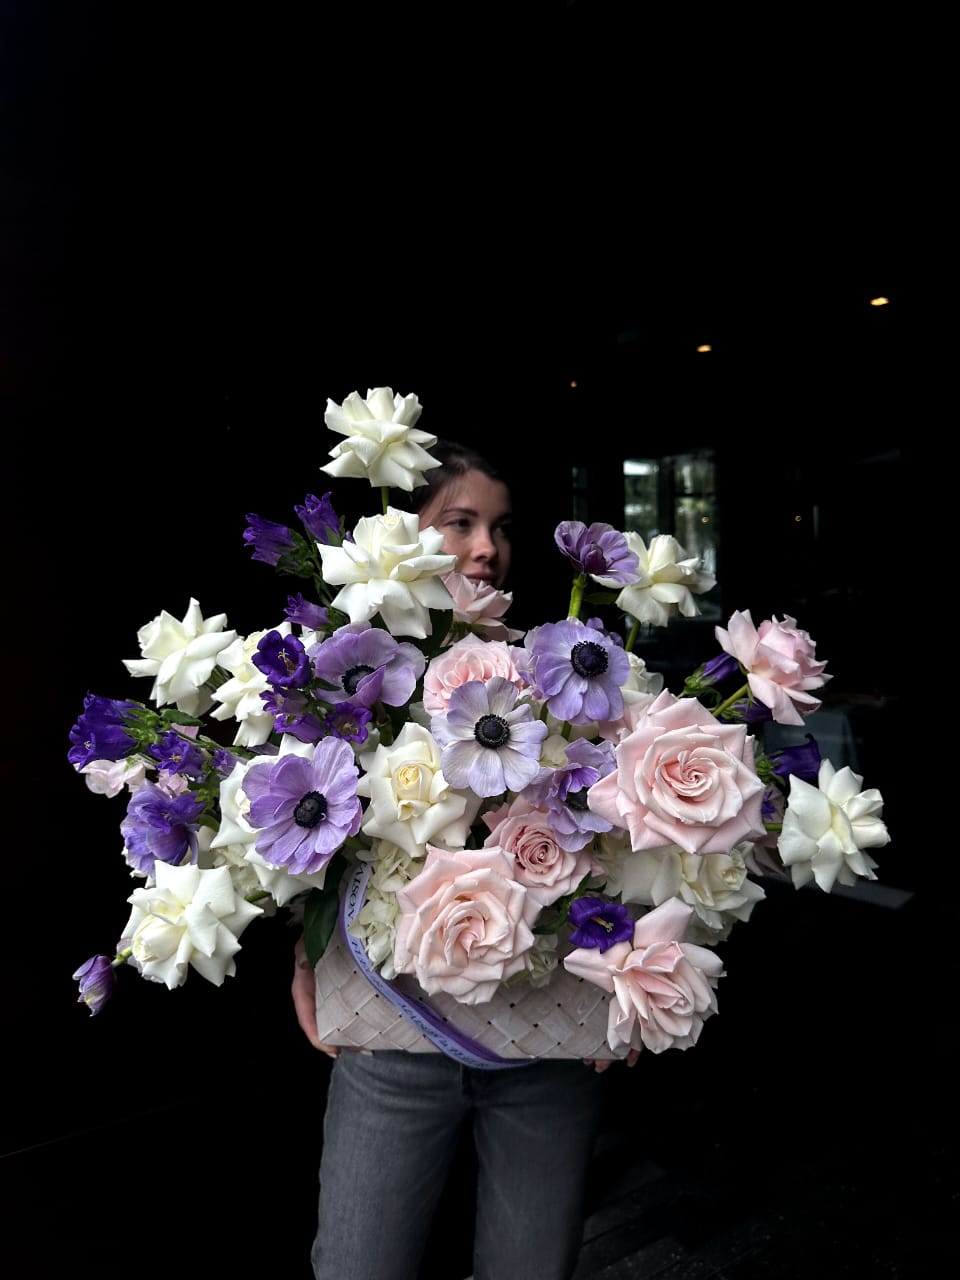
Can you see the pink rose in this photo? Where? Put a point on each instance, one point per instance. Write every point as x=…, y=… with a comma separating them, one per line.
x=469, y=659
x=481, y=605
x=682, y=778
x=462, y=927
x=542, y=865
x=663, y=988
x=779, y=661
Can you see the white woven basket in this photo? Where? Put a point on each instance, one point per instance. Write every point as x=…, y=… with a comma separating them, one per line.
x=565, y=1019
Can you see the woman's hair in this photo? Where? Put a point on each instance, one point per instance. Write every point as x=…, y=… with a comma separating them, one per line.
x=455, y=461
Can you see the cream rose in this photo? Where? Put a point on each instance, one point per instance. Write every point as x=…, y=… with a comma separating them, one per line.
x=462, y=927
x=716, y=885
x=410, y=800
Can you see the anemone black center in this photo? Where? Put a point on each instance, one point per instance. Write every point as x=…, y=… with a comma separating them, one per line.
x=578, y=800
x=310, y=810
x=353, y=677
x=588, y=658
x=491, y=731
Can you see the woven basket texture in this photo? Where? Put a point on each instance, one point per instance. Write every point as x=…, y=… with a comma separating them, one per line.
x=565, y=1019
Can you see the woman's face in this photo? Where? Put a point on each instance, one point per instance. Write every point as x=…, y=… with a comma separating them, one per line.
x=473, y=514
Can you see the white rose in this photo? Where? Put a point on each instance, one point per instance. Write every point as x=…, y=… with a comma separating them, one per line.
x=825, y=830
x=667, y=582
x=181, y=656
x=381, y=443
x=190, y=916
x=390, y=568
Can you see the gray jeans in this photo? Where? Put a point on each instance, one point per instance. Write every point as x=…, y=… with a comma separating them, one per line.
x=390, y=1134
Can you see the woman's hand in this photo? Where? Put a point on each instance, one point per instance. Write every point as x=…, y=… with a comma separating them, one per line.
x=601, y=1064
x=304, y=992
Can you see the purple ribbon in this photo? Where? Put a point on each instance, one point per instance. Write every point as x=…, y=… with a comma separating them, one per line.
x=448, y=1039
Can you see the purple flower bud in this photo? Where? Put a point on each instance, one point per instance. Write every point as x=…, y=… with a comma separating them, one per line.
x=270, y=541
x=719, y=668
x=305, y=612
x=97, y=980
x=802, y=760
x=99, y=733
x=177, y=755
x=224, y=762
x=349, y=721
x=319, y=518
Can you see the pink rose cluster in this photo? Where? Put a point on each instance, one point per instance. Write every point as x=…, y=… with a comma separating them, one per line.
x=466, y=919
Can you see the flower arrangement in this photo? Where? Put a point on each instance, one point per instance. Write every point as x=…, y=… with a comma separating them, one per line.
x=505, y=805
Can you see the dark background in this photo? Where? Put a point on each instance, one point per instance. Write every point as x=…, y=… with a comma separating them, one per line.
x=213, y=222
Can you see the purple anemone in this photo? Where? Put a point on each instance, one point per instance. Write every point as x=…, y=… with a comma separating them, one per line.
x=368, y=665
x=598, y=550
x=577, y=670
x=563, y=792
x=305, y=806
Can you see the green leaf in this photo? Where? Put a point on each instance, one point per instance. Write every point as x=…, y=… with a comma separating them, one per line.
x=320, y=911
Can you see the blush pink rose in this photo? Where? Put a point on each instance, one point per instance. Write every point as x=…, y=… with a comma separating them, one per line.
x=481, y=605
x=682, y=778
x=780, y=662
x=462, y=925
x=547, y=870
x=469, y=659
x=663, y=989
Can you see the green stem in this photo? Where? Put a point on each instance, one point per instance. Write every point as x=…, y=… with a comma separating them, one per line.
x=632, y=637
x=576, y=595
x=122, y=957
x=734, y=698
x=384, y=498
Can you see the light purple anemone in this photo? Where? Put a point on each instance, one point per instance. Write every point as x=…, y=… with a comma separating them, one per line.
x=306, y=806
x=598, y=550
x=577, y=670
x=490, y=745
x=368, y=665
x=563, y=792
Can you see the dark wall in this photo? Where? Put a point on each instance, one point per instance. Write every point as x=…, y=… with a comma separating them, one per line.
x=196, y=257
